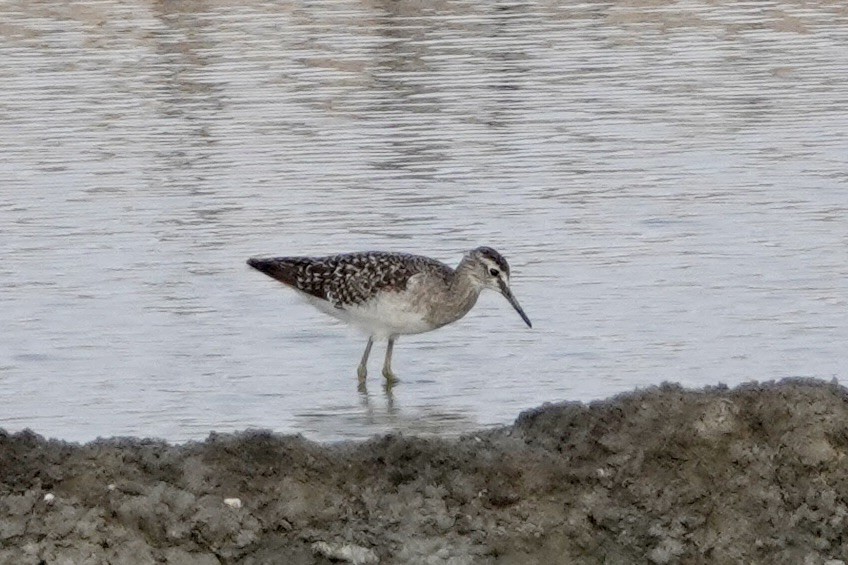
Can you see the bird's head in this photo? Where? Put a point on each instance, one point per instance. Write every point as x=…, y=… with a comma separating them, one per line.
x=488, y=269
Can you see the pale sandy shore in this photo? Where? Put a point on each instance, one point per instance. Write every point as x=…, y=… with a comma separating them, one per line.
x=755, y=474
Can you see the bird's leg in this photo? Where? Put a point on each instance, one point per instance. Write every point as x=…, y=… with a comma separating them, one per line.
x=362, y=371
x=391, y=378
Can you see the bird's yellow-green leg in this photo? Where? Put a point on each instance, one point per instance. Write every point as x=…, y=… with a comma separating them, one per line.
x=391, y=378
x=362, y=371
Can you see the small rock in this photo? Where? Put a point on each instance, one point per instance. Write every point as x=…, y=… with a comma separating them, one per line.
x=233, y=502
x=355, y=554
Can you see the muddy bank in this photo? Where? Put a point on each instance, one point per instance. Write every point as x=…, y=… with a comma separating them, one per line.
x=755, y=474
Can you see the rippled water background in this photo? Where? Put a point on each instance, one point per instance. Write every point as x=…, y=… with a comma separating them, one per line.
x=668, y=179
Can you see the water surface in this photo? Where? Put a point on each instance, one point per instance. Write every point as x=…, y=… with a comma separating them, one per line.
x=668, y=182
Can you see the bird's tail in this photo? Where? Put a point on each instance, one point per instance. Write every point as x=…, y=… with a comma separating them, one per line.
x=275, y=267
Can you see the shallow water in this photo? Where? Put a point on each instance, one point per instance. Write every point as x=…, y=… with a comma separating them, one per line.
x=669, y=183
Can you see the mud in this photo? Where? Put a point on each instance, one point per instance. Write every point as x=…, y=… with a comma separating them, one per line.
x=755, y=474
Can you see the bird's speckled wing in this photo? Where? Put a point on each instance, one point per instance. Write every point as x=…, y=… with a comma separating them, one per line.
x=349, y=278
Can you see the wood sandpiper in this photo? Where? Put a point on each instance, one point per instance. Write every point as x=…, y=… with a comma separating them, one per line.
x=392, y=294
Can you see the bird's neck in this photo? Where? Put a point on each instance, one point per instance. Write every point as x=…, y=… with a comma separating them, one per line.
x=460, y=296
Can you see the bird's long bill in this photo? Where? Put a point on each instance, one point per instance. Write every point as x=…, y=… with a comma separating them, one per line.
x=508, y=295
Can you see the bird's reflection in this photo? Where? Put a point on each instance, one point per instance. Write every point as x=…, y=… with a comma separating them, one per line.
x=388, y=392
x=380, y=413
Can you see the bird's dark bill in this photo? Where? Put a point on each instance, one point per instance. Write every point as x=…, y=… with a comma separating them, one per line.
x=508, y=294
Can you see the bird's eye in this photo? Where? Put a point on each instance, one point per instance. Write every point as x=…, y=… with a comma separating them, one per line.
x=494, y=272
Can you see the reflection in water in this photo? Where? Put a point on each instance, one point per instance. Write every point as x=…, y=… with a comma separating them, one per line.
x=668, y=182
x=378, y=413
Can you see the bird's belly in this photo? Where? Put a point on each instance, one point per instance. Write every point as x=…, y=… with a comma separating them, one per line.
x=386, y=315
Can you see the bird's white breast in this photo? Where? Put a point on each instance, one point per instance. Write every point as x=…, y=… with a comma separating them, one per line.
x=386, y=314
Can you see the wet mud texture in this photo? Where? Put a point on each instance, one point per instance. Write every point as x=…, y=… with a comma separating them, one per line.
x=756, y=474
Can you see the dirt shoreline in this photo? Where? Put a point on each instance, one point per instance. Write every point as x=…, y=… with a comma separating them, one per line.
x=755, y=474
